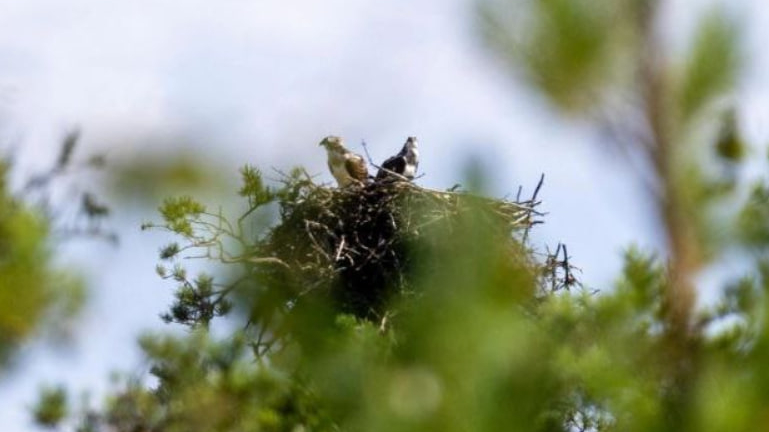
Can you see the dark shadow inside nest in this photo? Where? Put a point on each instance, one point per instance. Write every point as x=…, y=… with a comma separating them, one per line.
x=358, y=246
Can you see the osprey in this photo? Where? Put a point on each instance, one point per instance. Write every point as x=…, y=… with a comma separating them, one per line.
x=346, y=166
x=404, y=163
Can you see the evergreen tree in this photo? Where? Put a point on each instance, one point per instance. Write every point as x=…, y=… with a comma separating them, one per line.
x=390, y=307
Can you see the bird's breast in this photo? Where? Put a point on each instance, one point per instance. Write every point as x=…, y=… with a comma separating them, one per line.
x=413, y=156
x=410, y=170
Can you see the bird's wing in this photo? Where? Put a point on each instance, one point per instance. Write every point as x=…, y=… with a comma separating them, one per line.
x=356, y=167
x=404, y=150
x=394, y=164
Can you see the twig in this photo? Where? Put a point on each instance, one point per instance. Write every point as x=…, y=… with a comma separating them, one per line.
x=533, y=202
x=539, y=186
x=339, y=250
x=268, y=260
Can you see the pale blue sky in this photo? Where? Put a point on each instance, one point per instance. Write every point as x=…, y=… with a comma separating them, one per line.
x=262, y=82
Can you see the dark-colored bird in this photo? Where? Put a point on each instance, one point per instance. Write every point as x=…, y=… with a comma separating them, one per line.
x=404, y=164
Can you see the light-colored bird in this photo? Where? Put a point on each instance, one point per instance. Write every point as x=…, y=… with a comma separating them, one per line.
x=404, y=163
x=346, y=167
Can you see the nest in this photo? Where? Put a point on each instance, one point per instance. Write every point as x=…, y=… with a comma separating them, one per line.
x=357, y=245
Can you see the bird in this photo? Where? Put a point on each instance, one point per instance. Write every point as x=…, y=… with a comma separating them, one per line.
x=346, y=167
x=404, y=163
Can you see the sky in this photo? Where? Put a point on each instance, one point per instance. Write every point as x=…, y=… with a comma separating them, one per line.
x=262, y=82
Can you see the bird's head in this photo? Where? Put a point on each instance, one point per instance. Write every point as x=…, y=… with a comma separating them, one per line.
x=332, y=143
x=411, y=142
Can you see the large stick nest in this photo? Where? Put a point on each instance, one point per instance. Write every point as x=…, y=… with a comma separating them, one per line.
x=356, y=244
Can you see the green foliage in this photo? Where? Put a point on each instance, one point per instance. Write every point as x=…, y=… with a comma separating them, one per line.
x=579, y=53
x=33, y=294
x=177, y=211
x=572, y=50
x=482, y=331
x=203, y=385
x=476, y=349
x=754, y=218
x=52, y=407
x=712, y=64
x=642, y=357
x=253, y=187
x=303, y=362
x=704, y=198
x=169, y=251
x=226, y=381
x=476, y=346
x=730, y=146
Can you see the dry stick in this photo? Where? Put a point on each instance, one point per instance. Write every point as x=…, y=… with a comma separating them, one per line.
x=563, y=264
x=443, y=194
x=520, y=220
x=268, y=260
x=448, y=194
x=533, y=203
x=567, y=268
x=383, y=323
x=555, y=267
x=539, y=186
x=313, y=240
x=281, y=175
x=339, y=250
